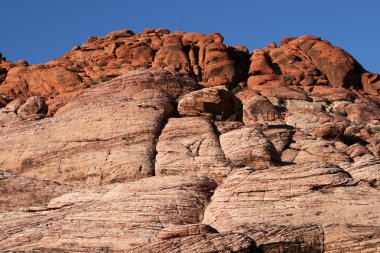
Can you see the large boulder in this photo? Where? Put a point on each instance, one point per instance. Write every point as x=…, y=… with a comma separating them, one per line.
x=247, y=146
x=260, y=109
x=190, y=146
x=32, y=107
x=217, y=102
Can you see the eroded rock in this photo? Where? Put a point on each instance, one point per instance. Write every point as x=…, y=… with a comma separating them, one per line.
x=260, y=109
x=190, y=146
x=217, y=102
x=32, y=107
x=296, y=204
x=248, y=147
x=125, y=215
x=106, y=135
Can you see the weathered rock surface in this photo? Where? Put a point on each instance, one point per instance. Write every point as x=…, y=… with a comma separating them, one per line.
x=117, y=218
x=248, y=147
x=107, y=135
x=306, y=60
x=129, y=153
x=216, y=102
x=306, y=149
x=18, y=192
x=14, y=105
x=190, y=146
x=299, y=206
x=367, y=171
x=32, y=107
x=207, y=243
x=280, y=136
x=171, y=55
x=260, y=109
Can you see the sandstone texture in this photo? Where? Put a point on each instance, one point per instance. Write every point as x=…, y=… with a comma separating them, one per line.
x=298, y=207
x=119, y=217
x=216, y=102
x=106, y=135
x=166, y=141
x=190, y=146
x=247, y=146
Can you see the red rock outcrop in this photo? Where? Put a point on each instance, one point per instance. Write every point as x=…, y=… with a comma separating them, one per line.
x=206, y=58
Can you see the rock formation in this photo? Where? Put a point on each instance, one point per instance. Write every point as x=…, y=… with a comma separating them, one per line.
x=176, y=142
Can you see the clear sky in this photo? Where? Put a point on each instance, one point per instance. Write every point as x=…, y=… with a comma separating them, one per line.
x=41, y=30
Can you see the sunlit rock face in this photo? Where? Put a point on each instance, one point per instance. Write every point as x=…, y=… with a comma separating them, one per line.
x=176, y=142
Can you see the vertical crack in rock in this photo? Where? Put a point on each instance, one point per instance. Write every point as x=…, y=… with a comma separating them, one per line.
x=159, y=132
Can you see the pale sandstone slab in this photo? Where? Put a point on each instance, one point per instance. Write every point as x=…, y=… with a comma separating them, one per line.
x=118, y=218
x=248, y=146
x=317, y=150
x=106, y=135
x=207, y=243
x=366, y=170
x=295, y=204
x=24, y=193
x=190, y=146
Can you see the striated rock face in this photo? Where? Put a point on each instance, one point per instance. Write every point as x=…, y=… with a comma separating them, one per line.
x=248, y=147
x=208, y=242
x=298, y=207
x=107, y=135
x=176, y=142
x=116, y=218
x=27, y=193
x=190, y=146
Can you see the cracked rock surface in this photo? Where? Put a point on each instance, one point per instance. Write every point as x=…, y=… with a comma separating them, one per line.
x=176, y=142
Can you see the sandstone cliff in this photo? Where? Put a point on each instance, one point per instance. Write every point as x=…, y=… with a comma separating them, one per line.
x=176, y=142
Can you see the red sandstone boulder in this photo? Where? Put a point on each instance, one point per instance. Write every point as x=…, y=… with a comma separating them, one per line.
x=371, y=83
x=217, y=102
x=260, y=109
x=32, y=107
x=171, y=55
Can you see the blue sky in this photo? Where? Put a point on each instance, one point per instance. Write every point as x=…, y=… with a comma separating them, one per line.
x=41, y=30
